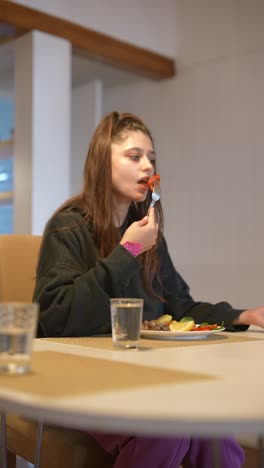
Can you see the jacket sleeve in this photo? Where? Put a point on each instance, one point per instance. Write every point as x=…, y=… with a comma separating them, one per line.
x=180, y=303
x=74, y=285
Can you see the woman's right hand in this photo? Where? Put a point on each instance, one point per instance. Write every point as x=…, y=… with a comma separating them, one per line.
x=143, y=232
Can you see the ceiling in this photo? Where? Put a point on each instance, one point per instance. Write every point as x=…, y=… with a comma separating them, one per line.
x=83, y=71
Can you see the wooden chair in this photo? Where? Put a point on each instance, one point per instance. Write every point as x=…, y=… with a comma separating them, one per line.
x=18, y=262
x=60, y=447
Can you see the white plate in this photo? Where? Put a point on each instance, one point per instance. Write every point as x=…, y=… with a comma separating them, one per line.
x=178, y=335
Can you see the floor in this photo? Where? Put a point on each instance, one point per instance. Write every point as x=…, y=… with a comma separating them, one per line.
x=23, y=464
x=251, y=459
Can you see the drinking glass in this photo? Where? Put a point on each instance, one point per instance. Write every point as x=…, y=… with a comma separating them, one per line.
x=18, y=322
x=126, y=318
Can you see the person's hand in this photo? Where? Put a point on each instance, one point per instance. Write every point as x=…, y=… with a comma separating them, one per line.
x=251, y=317
x=144, y=232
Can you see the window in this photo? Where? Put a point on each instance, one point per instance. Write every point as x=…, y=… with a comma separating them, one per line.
x=6, y=165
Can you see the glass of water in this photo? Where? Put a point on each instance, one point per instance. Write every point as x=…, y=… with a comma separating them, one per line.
x=126, y=318
x=18, y=322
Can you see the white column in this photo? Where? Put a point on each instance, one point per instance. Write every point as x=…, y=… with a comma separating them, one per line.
x=42, y=129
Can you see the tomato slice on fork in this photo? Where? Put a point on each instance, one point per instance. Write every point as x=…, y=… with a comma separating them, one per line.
x=154, y=180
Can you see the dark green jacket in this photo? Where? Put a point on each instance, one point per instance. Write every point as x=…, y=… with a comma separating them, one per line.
x=74, y=284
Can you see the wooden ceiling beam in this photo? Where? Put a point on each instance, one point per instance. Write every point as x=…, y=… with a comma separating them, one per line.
x=89, y=43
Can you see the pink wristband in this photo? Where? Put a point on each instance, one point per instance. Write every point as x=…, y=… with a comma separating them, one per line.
x=135, y=248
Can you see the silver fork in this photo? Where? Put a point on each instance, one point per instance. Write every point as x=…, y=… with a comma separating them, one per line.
x=155, y=196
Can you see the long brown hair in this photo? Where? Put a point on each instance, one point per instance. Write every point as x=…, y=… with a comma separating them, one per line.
x=96, y=198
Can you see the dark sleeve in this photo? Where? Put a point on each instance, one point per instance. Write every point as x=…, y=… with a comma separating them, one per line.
x=73, y=284
x=180, y=303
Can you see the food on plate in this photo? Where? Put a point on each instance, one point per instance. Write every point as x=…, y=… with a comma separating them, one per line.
x=153, y=325
x=165, y=323
x=154, y=181
x=166, y=318
x=181, y=326
x=206, y=327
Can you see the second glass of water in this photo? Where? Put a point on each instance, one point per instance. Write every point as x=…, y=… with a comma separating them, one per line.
x=18, y=321
x=126, y=317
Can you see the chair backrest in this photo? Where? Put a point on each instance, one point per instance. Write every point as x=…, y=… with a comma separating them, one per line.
x=18, y=262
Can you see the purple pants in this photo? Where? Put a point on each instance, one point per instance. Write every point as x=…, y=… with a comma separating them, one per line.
x=157, y=452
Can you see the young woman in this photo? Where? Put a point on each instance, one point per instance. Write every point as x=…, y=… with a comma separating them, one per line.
x=101, y=244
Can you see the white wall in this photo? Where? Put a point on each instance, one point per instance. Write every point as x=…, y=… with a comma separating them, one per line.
x=6, y=75
x=208, y=125
x=86, y=113
x=5, y=92
x=139, y=22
